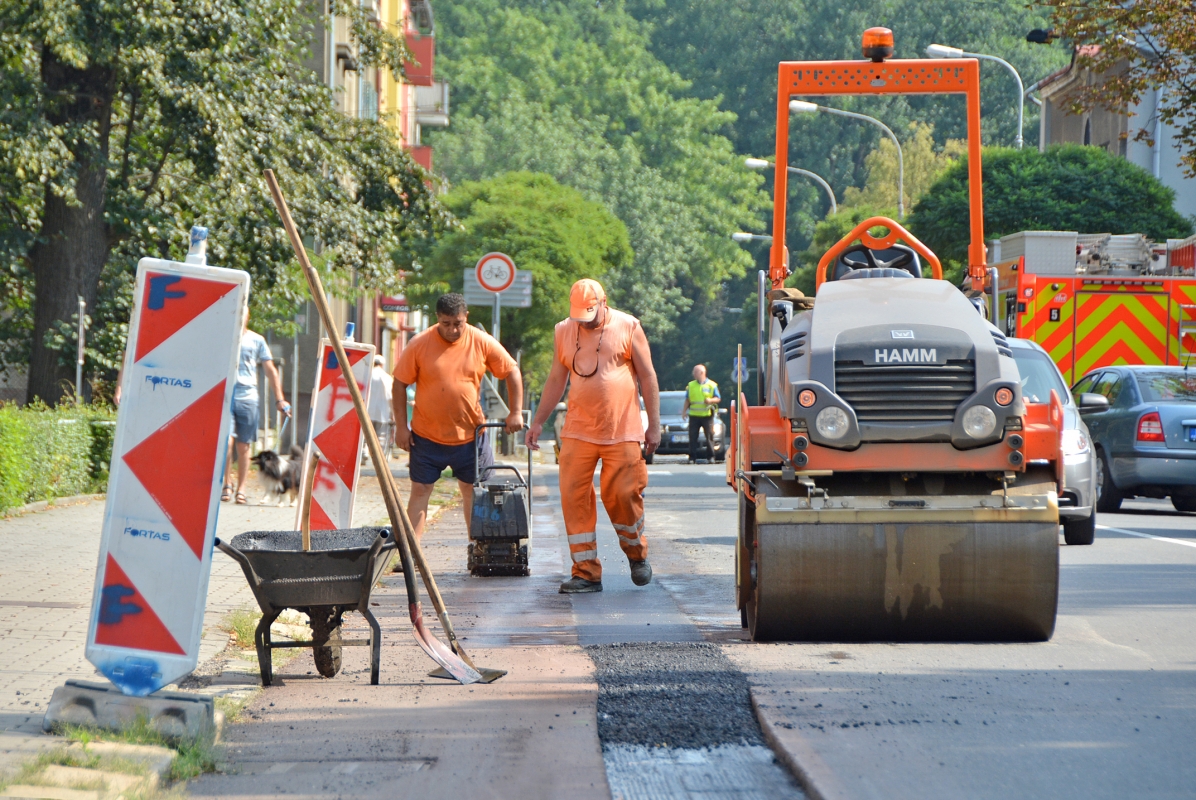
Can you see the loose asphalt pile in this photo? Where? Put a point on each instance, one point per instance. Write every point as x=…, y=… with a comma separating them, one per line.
x=677, y=695
x=345, y=539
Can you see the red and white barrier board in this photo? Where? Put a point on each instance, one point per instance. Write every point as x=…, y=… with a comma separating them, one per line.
x=336, y=437
x=167, y=466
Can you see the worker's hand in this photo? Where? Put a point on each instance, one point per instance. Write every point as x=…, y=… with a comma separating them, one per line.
x=403, y=437
x=532, y=439
x=514, y=422
x=284, y=407
x=651, y=439
x=116, y=396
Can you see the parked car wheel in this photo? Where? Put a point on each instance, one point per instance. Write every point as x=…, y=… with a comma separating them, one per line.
x=1184, y=502
x=1108, y=496
x=1080, y=531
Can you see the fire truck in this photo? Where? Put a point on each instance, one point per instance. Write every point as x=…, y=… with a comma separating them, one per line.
x=1096, y=300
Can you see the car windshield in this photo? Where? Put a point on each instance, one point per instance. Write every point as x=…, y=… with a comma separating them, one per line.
x=1172, y=384
x=670, y=403
x=1039, y=376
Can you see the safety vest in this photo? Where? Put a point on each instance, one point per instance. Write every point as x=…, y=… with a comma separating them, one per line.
x=699, y=393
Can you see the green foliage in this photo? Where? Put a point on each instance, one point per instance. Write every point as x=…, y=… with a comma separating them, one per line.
x=53, y=452
x=1067, y=188
x=549, y=229
x=568, y=88
x=185, y=104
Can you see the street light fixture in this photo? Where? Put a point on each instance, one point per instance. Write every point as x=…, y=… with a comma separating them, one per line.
x=943, y=51
x=759, y=163
x=804, y=107
x=740, y=236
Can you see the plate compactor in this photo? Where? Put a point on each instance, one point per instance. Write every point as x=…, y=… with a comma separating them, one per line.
x=500, y=522
x=893, y=483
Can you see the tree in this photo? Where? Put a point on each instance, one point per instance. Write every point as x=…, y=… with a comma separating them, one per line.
x=1067, y=188
x=1134, y=47
x=924, y=164
x=125, y=123
x=547, y=228
x=569, y=88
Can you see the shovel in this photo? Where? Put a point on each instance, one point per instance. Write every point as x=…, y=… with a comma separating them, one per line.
x=455, y=663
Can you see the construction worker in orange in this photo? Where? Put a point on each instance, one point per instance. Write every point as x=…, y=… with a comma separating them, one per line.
x=446, y=364
x=602, y=354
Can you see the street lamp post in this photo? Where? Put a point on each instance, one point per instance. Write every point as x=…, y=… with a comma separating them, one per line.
x=740, y=236
x=803, y=107
x=943, y=51
x=759, y=163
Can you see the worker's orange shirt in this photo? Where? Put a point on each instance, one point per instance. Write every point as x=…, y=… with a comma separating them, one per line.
x=603, y=408
x=447, y=377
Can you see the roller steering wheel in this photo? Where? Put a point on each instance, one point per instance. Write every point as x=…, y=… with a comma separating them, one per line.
x=895, y=256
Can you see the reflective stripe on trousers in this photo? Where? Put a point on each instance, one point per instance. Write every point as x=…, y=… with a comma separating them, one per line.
x=624, y=478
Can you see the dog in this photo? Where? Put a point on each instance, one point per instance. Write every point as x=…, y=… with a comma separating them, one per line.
x=280, y=474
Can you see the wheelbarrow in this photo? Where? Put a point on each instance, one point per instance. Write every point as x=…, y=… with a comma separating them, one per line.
x=336, y=575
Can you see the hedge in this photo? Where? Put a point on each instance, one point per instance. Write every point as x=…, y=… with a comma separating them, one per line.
x=53, y=452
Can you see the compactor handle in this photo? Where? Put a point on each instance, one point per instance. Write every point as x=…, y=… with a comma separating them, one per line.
x=860, y=232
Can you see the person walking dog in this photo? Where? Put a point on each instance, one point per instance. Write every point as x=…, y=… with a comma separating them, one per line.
x=603, y=354
x=246, y=405
x=445, y=364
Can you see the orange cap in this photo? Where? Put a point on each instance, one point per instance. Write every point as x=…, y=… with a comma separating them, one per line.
x=584, y=298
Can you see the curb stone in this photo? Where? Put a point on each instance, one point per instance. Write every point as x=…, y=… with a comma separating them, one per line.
x=53, y=502
x=794, y=751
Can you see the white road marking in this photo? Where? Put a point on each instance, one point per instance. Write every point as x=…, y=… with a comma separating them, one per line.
x=1146, y=536
x=659, y=472
x=715, y=472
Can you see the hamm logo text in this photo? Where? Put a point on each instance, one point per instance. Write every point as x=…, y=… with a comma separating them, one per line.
x=910, y=356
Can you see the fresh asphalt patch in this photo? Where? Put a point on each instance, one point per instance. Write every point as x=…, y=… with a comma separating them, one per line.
x=672, y=694
x=676, y=722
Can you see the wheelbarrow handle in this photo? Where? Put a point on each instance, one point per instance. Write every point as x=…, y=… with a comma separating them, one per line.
x=255, y=582
x=367, y=580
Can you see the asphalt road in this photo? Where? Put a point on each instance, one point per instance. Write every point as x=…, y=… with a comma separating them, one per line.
x=1106, y=708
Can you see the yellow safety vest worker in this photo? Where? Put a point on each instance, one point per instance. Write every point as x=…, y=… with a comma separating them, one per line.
x=698, y=394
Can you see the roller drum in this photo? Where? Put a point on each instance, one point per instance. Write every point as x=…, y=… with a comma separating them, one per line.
x=895, y=581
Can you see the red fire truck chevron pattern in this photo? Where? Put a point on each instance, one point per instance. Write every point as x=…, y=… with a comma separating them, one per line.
x=1114, y=328
x=336, y=437
x=163, y=493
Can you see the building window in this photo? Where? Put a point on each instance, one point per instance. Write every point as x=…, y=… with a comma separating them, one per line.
x=369, y=102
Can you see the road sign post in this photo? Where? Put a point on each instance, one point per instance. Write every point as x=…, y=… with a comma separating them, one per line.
x=167, y=469
x=336, y=437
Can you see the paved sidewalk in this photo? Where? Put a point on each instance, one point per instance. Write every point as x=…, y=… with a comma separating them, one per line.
x=47, y=572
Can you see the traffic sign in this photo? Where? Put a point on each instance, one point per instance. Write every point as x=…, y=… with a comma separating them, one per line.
x=495, y=272
x=336, y=437
x=739, y=369
x=517, y=295
x=167, y=467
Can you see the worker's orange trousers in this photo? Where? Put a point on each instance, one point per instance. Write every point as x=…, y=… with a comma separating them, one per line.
x=624, y=478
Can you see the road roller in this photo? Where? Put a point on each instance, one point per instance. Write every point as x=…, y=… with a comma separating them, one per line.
x=893, y=483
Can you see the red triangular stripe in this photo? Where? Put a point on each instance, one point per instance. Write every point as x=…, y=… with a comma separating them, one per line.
x=170, y=302
x=340, y=443
x=329, y=373
x=175, y=464
x=133, y=622
x=319, y=519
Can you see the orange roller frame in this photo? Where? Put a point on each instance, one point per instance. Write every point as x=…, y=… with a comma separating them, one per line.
x=860, y=233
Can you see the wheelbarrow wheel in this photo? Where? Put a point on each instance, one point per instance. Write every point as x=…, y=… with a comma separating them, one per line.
x=326, y=636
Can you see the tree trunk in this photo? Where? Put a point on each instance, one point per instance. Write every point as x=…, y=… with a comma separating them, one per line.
x=74, y=243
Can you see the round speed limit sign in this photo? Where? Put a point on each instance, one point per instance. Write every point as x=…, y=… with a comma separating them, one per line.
x=495, y=272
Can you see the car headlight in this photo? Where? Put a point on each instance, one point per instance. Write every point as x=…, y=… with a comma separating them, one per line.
x=979, y=422
x=1075, y=443
x=832, y=422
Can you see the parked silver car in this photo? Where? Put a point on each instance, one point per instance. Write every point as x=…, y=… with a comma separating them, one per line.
x=674, y=429
x=1145, y=434
x=1076, y=503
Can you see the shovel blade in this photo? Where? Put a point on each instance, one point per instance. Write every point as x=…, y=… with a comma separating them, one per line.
x=488, y=675
x=447, y=659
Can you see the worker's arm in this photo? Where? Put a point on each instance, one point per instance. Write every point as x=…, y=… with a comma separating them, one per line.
x=554, y=389
x=276, y=382
x=398, y=402
x=641, y=361
x=515, y=395
x=715, y=400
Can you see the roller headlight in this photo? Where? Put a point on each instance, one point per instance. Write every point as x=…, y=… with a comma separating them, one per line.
x=979, y=422
x=832, y=422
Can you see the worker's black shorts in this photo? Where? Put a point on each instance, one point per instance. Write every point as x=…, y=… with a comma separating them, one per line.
x=429, y=459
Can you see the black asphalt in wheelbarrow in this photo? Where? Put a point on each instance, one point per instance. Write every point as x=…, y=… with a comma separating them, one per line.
x=335, y=576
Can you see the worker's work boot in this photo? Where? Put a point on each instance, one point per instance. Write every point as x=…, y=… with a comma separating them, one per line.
x=580, y=586
x=641, y=573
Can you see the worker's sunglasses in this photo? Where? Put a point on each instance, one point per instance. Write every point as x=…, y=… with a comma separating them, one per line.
x=597, y=351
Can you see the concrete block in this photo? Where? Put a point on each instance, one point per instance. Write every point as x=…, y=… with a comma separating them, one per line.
x=48, y=793
x=175, y=715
